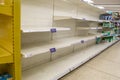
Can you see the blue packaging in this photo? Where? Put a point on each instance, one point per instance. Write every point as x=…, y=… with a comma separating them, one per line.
x=1, y=77
x=7, y=76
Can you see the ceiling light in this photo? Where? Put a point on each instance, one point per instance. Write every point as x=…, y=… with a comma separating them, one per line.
x=64, y=0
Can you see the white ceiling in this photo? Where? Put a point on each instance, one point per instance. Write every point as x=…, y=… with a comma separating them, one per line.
x=113, y=5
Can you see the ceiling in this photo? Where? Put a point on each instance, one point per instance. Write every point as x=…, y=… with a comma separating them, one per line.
x=110, y=5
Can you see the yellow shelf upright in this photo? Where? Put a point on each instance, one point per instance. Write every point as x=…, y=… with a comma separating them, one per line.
x=10, y=55
x=17, y=39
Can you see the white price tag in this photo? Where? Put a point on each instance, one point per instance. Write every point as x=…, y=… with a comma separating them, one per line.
x=28, y=55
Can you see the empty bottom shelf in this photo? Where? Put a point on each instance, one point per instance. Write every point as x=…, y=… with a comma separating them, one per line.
x=58, y=68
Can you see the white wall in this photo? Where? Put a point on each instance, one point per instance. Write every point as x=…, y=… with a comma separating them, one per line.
x=87, y=12
x=65, y=8
x=37, y=12
x=65, y=23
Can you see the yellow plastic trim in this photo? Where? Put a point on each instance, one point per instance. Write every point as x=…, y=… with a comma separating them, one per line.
x=8, y=2
x=17, y=41
x=6, y=10
x=5, y=57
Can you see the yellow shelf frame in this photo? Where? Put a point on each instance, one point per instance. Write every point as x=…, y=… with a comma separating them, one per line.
x=6, y=10
x=10, y=35
x=17, y=40
x=5, y=56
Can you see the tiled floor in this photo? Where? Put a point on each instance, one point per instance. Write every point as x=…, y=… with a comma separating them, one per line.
x=106, y=66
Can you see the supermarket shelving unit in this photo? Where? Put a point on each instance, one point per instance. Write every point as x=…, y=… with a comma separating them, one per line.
x=50, y=29
x=54, y=54
x=10, y=57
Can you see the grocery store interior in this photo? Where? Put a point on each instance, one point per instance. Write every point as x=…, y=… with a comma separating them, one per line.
x=59, y=39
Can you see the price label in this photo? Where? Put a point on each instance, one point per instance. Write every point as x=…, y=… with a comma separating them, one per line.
x=28, y=55
x=83, y=18
x=52, y=50
x=82, y=41
x=53, y=30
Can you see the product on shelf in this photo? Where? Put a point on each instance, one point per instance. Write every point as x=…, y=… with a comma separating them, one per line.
x=109, y=31
x=116, y=15
x=98, y=40
x=6, y=76
x=110, y=16
x=106, y=16
x=108, y=24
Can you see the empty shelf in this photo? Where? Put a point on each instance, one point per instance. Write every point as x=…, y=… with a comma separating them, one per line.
x=29, y=50
x=62, y=17
x=83, y=28
x=58, y=68
x=88, y=28
x=70, y=17
x=104, y=20
x=95, y=27
x=6, y=10
x=5, y=56
x=28, y=29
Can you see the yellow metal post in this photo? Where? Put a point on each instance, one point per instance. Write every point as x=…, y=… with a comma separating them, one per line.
x=17, y=47
x=10, y=55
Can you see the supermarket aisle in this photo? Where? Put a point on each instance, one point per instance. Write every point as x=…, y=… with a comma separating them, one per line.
x=106, y=66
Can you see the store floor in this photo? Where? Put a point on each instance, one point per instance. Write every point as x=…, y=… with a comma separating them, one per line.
x=105, y=66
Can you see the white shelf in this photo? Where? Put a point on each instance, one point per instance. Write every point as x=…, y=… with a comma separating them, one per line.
x=116, y=21
x=88, y=28
x=104, y=20
x=83, y=28
x=95, y=27
x=29, y=50
x=109, y=20
x=55, y=69
x=70, y=17
x=29, y=29
x=62, y=17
